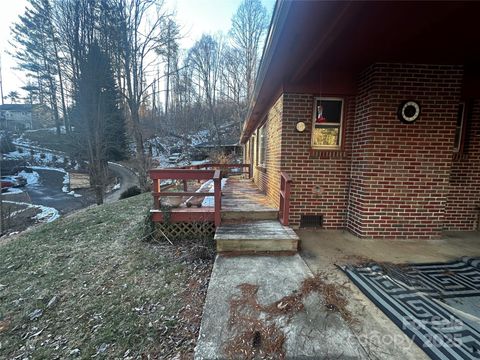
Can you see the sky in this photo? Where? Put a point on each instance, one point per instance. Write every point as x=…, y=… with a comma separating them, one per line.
x=194, y=16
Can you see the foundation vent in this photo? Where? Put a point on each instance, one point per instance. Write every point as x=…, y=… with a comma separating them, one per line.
x=311, y=221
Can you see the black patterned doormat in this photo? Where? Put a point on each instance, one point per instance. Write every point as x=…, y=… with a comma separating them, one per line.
x=437, y=305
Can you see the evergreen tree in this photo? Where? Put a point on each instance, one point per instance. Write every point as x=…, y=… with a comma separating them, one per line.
x=98, y=119
x=115, y=130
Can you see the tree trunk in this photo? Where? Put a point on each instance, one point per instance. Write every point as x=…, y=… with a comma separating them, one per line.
x=140, y=150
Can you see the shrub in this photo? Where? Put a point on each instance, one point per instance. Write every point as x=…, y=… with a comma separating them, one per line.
x=43, y=156
x=20, y=150
x=220, y=157
x=6, y=144
x=131, y=191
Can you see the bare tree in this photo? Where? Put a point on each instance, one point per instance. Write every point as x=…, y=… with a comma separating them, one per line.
x=249, y=25
x=205, y=59
x=142, y=25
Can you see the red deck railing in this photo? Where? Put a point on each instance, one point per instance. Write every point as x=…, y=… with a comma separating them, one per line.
x=245, y=169
x=188, y=215
x=285, y=184
x=207, y=171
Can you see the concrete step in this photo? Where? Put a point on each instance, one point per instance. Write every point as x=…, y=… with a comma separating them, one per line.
x=262, y=236
x=246, y=215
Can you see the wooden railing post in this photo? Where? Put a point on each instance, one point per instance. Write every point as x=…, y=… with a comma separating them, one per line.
x=156, y=199
x=217, y=186
x=285, y=189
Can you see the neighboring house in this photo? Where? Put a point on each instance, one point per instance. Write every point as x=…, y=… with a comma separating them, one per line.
x=16, y=116
x=228, y=142
x=373, y=109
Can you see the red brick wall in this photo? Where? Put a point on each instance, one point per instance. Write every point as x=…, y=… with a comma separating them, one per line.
x=390, y=180
x=268, y=178
x=400, y=173
x=320, y=178
x=464, y=190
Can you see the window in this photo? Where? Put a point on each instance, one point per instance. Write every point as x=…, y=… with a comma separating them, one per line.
x=327, y=123
x=460, y=128
x=261, y=146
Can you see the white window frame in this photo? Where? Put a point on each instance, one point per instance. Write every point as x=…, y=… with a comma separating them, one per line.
x=340, y=130
x=262, y=146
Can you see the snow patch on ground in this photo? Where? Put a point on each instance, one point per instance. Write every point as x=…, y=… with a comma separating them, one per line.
x=66, y=178
x=74, y=194
x=13, y=190
x=52, y=129
x=32, y=177
x=199, y=162
x=208, y=187
x=40, y=155
x=47, y=214
x=66, y=184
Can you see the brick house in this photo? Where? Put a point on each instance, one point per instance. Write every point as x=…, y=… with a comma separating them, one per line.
x=373, y=109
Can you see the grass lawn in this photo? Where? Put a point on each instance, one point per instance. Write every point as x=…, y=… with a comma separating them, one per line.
x=52, y=141
x=87, y=285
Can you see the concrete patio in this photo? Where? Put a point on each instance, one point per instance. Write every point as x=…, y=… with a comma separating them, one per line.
x=323, y=250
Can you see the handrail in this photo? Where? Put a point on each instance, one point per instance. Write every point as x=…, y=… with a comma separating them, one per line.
x=243, y=166
x=285, y=189
x=188, y=174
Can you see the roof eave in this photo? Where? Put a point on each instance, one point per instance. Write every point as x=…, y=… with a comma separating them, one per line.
x=280, y=13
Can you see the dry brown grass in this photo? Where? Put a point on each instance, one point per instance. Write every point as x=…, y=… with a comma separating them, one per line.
x=256, y=335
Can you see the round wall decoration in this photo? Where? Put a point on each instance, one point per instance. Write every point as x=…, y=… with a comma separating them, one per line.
x=300, y=126
x=408, y=111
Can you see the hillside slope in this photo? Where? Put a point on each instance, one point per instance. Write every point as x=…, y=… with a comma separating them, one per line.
x=88, y=285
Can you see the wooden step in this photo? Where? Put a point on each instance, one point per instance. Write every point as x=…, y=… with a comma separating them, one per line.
x=247, y=215
x=263, y=236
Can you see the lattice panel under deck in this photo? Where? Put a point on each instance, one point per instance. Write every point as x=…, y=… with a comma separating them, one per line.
x=184, y=230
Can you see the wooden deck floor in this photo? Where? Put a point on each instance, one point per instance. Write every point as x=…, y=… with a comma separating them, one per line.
x=243, y=195
x=241, y=200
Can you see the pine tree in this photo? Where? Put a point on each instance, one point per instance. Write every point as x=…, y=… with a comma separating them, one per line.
x=98, y=119
x=115, y=130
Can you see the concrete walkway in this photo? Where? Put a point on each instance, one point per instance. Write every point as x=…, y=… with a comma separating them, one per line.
x=314, y=332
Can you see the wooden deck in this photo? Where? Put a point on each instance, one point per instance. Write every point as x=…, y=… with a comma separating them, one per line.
x=247, y=222
x=242, y=200
x=250, y=222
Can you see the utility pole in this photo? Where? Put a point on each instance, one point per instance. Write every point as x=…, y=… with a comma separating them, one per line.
x=1, y=81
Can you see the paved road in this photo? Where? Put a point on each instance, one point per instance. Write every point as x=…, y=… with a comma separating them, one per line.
x=127, y=179
x=48, y=192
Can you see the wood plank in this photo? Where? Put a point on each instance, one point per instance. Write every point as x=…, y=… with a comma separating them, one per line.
x=256, y=236
x=181, y=174
x=182, y=193
x=185, y=216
